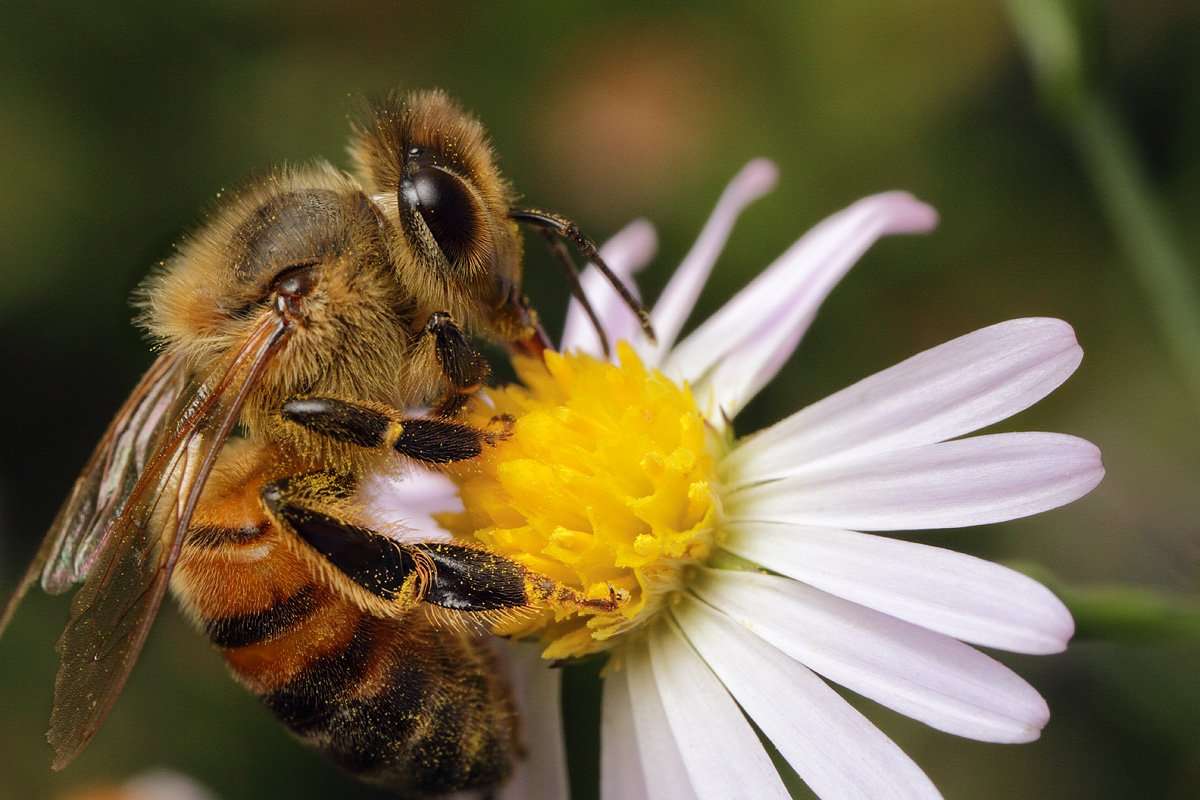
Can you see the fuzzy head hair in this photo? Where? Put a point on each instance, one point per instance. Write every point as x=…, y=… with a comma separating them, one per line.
x=429, y=165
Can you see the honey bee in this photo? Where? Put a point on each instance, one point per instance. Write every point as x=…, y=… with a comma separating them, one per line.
x=301, y=330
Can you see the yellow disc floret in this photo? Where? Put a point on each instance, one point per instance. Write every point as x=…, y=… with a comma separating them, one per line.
x=605, y=484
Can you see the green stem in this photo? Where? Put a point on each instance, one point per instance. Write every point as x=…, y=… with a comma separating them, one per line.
x=1050, y=32
x=1166, y=277
x=1120, y=613
x=1126, y=613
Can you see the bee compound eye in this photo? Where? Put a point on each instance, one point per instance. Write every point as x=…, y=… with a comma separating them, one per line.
x=446, y=207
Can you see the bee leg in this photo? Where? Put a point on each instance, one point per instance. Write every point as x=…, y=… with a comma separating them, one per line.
x=308, y=506
x=464, y=368
x=396, y=575
x=469, y=578
x=431, y=441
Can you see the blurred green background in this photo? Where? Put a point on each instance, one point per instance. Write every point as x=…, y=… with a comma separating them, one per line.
x=121, y=121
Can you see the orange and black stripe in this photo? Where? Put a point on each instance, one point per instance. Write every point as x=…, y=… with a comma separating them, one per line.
x=403, y=703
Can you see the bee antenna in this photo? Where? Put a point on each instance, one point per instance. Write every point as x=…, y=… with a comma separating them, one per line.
x=563, y=256
x=558, y=225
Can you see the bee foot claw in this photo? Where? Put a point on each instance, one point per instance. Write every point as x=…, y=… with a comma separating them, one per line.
x=500, y=428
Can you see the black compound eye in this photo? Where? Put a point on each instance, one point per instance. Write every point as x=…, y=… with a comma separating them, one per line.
x=446, y=206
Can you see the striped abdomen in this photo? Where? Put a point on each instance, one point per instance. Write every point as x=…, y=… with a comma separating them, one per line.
x=411, y=706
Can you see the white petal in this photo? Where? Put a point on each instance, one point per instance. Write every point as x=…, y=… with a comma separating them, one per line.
x=401, y=503
x=679, y=296
x=625, y=253
x=951, y=593
x=662, y=764
x=837, y=752
x=924, y=675
x=951, y=484
x=745, y=342
x=724, y=757
x=955, y=388
x=621, y=776
x=542, y=774
x=160, y=784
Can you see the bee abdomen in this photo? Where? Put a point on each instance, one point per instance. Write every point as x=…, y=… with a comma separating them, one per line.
x=416, y=714
x=399, y=703
x=256, y=627
x=308, y=701
x=407, y=704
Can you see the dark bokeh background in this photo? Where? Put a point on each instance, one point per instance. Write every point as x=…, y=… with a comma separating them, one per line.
x=121, y=122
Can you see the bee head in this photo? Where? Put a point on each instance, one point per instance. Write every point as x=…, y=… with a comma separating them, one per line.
x=430, y=168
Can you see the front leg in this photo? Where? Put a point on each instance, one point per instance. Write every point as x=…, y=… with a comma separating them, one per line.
x=430, y=441
x=390, y=578
x=462, y=366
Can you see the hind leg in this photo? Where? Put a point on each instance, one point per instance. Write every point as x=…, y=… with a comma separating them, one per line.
x=389, y=578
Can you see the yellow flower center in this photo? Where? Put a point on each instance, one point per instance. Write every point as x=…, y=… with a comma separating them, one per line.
x=606, y=483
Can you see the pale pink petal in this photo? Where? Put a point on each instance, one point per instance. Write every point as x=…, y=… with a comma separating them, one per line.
x=739, y=349
x=837, y=752
x=542, y=773
x=625, y=253
x=921, y=674
x=621, y=776
x=401, y=503
x=662, y=764
x=678, y=298
x=163, y=784
x=952, y=484
x=951, y=593
x=723, y=755
x=955, y=388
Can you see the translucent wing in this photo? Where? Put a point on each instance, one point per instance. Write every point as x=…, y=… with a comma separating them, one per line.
x=128, y=574
x=105, y=483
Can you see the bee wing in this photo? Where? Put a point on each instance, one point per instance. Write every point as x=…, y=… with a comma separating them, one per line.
x=112, y=612
x=105, y=483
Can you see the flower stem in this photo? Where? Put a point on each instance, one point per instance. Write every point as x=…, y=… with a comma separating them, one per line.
x=1128, y=613
x=1157, y=262
x=1123, y=613
x=1050, y=34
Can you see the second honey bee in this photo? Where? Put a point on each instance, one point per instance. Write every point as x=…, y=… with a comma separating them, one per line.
x=299, y=330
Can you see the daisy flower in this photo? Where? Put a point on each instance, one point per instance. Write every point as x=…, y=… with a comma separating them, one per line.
x=748, y=576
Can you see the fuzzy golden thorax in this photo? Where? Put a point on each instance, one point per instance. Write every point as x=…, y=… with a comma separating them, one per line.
x=429, y=165
x=359, y=332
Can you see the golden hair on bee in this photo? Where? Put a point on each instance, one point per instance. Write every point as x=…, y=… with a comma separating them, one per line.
x=430, y=166
x=314, y=332
x=191, y=299
x=432, y=120
x=360, y=335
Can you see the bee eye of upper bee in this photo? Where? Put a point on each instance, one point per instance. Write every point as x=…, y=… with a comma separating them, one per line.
x=445, y=205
